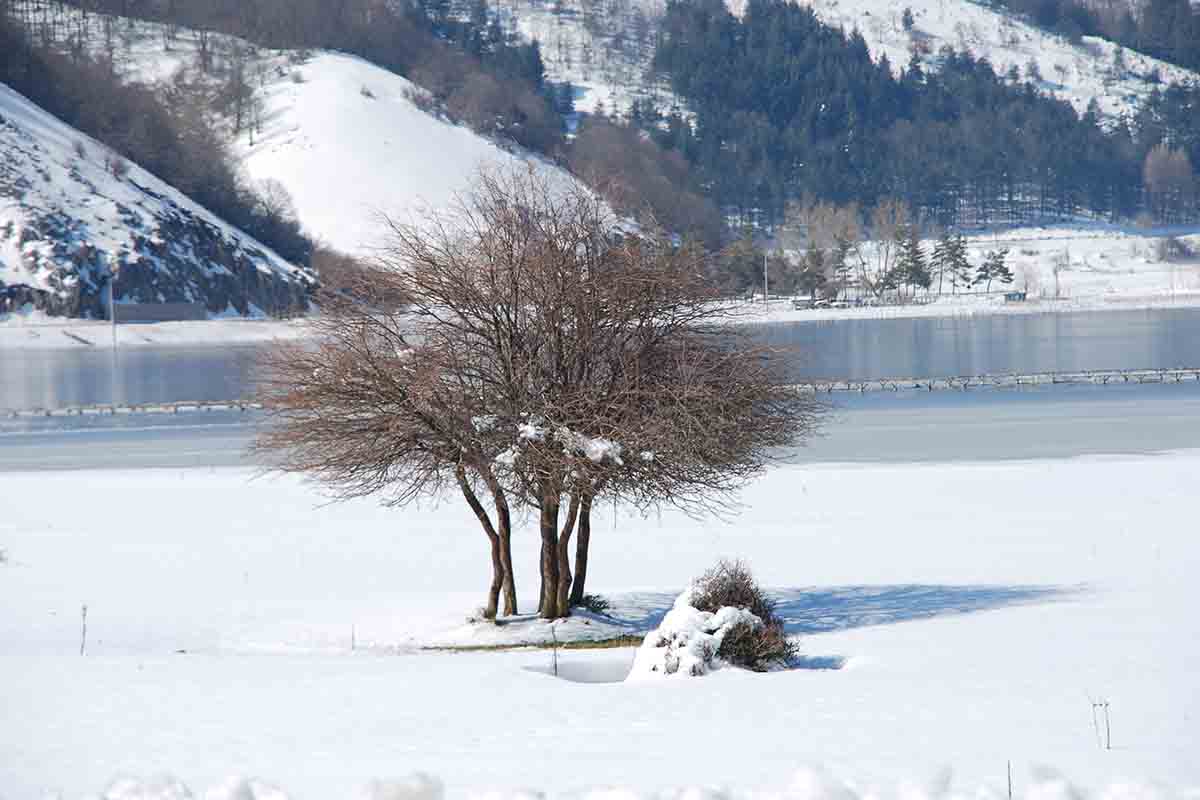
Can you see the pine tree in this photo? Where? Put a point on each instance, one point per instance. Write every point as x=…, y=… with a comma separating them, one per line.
x=983, y=273
x=940, y=261
x=839, y=262
x=960, y=266
x=994, y=268
x=913, y=266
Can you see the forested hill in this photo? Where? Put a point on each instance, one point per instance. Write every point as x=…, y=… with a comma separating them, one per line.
x=785, y=105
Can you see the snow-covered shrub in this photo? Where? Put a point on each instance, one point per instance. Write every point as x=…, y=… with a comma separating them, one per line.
x=688, y=640
x=760, y=647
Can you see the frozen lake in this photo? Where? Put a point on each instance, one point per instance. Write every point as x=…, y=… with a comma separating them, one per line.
x=854, y=349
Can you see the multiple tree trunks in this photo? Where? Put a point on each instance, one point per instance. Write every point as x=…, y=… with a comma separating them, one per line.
x=557, y=580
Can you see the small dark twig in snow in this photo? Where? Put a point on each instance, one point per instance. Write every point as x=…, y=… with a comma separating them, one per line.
x=1104, y=740
x=554, y=650
x=1010, y=779
x=1107, y=729
x=83, y=632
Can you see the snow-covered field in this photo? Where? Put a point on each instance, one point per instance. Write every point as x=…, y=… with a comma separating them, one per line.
x=953, y=618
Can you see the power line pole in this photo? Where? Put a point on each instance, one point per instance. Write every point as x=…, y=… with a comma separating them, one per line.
x=766, y=287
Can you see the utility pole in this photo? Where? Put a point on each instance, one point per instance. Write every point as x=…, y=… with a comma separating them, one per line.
x=766, y=287
x=112, y=313
x=112, y=304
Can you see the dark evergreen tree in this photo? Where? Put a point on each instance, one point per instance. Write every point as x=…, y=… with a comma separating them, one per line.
x=913, y=265
x=940, y=261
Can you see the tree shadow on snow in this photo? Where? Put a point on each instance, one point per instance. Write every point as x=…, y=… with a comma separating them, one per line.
x=839, y=608
x=824, y=609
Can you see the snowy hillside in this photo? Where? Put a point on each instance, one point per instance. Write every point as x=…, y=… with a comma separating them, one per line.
x=71, y=212
x=339, y=133
x=604, y=50
x=349, y=144
x=1075, y=73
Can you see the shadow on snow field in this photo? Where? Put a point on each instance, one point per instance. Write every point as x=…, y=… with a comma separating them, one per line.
x=808, y=610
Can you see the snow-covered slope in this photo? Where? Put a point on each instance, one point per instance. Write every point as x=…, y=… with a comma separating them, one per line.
x=340, y=134
x=604, y=50
x=349, y=144
x=1076, y=73
x=68, y=218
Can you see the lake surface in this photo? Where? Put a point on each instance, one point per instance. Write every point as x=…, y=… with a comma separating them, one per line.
x=1026, y=343
x=849, y=349
x=87, y=376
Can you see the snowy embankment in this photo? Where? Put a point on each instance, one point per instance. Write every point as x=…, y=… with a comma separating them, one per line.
x=1074, y=72
x=952, y=618
x=37, y=332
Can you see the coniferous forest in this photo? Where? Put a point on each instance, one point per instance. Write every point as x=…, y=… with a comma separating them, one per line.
x=785, y=106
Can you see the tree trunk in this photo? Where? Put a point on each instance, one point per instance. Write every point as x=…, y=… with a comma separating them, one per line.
x=578, y=587
x=504, y=524
x=493, y=599
x=549, y=526
x=563, y=589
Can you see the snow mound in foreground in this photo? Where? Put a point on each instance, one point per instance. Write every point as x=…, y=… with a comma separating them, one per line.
x=687, y=640
x=808, y=783
x=418, y=786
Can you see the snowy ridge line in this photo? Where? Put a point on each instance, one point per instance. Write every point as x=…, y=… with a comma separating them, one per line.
x=181, y=407
x=1087, y=377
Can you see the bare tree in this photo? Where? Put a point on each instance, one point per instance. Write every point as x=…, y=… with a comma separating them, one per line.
x=1169, y=181
x=549, y=355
